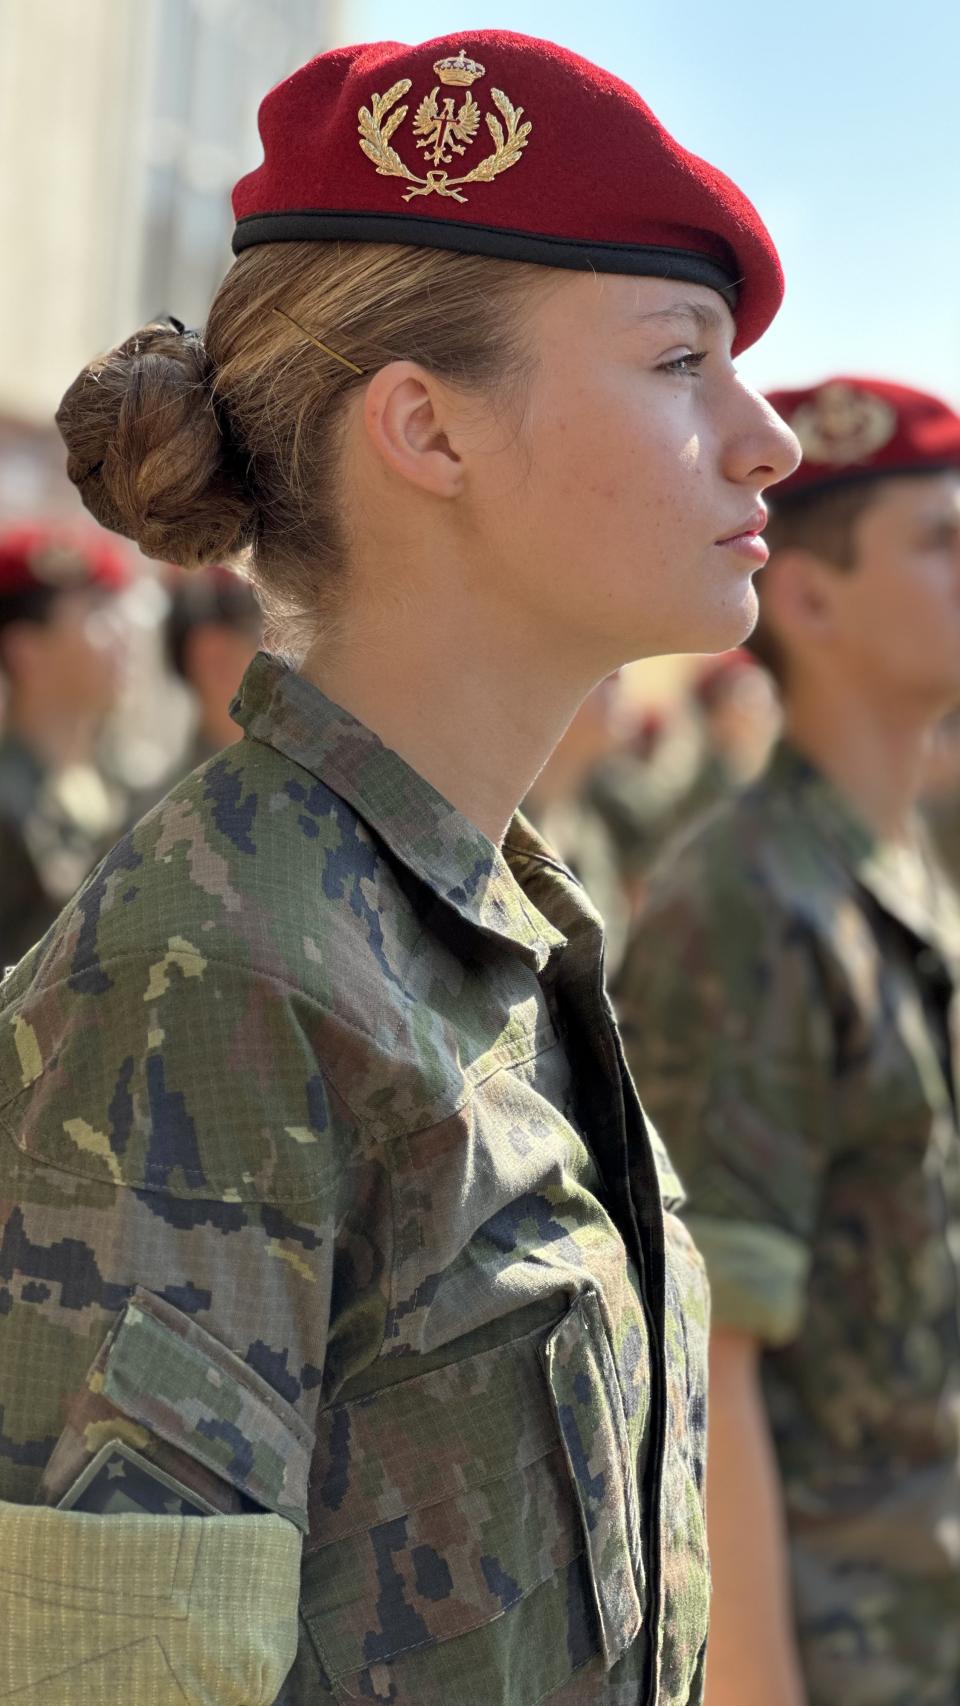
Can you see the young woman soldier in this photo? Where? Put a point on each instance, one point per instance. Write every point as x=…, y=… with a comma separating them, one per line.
x=331, y=1211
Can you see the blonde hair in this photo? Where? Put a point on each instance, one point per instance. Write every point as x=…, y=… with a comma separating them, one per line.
x=225, y=445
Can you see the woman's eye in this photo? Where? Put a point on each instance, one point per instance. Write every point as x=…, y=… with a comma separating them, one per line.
x=685, y=365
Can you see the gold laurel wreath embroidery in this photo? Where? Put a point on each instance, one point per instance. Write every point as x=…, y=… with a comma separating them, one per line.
x=376, y=131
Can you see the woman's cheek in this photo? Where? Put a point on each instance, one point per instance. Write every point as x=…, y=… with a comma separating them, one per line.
x=605, y=490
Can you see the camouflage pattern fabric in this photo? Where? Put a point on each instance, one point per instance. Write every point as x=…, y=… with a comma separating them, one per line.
x=326, y=1191
x=713, y=783
x=788, y=1004
x=579, y=833
x=53, y=829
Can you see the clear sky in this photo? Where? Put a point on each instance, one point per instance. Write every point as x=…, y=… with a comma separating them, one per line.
x=839, y=118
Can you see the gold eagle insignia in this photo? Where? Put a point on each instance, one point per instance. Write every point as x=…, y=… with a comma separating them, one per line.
x=443, y=131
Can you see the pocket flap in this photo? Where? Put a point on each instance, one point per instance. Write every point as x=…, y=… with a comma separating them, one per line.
x=171, y=1376
x=390, y=1453
x=440, y=1571
x=586, y=1393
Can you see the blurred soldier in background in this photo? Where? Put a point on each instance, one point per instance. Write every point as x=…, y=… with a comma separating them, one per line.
x=941, y=795
x=611, y=796
x=561, y=806
x=213, y=630
x=788, y=1010
x=636, y=792
x=61, y=666
x=682, y=762
x=736, y=705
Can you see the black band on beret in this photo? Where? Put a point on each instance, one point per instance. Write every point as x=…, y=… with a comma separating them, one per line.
x=642, y=260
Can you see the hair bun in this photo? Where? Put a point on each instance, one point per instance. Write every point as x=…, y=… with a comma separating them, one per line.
x=147, y=451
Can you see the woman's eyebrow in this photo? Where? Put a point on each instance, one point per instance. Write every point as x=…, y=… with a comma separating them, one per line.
x=705, y=317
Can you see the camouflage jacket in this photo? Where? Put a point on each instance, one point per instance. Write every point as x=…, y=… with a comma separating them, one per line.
x=326, y=1189
x=788, y=1004
x=53, y=829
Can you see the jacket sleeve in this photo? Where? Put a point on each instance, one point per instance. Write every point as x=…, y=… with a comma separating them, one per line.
x=176, y=1179
x=108, y=1610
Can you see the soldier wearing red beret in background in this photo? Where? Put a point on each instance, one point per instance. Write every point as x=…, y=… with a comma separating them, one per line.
x=213, y=629
x=330, y=1208
x=789, y=1007
x=737, y=708
x=61, y=660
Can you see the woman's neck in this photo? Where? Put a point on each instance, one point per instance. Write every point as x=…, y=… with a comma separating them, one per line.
x=462, y=690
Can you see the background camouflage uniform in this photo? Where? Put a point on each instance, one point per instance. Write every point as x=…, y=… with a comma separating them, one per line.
x=788, y=1006
x=53, y=829
x=325, y=1188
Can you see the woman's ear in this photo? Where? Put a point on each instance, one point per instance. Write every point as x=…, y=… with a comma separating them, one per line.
x=406, y=420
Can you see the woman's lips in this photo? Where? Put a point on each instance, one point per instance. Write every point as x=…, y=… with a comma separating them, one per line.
x=748, y=541
x=752, y=545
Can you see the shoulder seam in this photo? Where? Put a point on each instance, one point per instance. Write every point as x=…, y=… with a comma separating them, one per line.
x=147, y=955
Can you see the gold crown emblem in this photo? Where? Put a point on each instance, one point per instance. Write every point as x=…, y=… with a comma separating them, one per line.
x=459, y=72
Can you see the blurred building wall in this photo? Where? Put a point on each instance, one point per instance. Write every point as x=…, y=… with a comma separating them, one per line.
x=123, y=125
x=70, y=85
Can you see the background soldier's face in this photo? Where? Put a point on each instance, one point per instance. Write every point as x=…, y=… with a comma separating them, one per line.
x=896, y=614
x=79, y=652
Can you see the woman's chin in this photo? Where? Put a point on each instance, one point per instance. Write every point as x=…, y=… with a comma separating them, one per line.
x=718, y=627
x=734, y=621
x=726, y=625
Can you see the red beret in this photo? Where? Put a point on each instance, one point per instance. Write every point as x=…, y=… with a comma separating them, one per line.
x=63, y=559
x=857, y=429
x=500, y=144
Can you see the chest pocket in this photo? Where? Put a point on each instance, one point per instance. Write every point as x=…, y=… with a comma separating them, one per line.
x=474, y=1531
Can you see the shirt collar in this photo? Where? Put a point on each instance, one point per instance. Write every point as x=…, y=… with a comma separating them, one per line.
x=437, y=843
x=904, y=881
